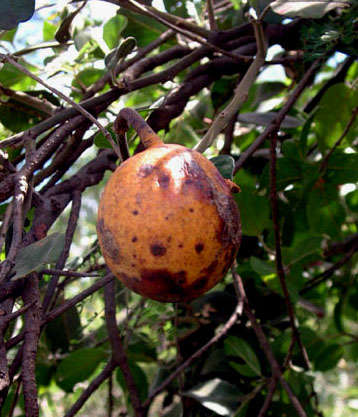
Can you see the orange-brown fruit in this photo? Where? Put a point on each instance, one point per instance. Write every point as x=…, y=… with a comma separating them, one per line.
x=168, y=226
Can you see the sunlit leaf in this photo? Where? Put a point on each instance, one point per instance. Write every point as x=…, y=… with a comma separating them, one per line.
x=306, y=9
x=216, y=395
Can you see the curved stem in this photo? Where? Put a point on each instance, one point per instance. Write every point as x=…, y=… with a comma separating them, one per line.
x=129, y=117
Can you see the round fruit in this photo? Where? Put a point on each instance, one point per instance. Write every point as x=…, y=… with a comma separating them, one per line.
x=168, y=226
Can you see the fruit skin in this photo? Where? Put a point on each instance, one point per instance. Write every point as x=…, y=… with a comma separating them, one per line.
x=168, y=226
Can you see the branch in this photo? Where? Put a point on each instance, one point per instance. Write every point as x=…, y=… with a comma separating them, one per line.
x=338, y=77
x=278, y=257
x=32, y=333
x=6, y=308
x=64, y=307
x=71, y=227
x=276, y=123
x=75, y=105
x=118, y=353
x=92, y=387
x=21, y=187
x=330, y=271
x=265, y=345
x=350, y=123
x=241, y=92
x=222, y=332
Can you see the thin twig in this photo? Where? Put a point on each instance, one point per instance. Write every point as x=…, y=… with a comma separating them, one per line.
x=51, y=315
x=269, y=396
x=350, y=123
x=211, y=15
x=265, y=345
x=77, y=106
x=32, y=333
x=21, y=187
x=276, y=122
x=222, y=332
x=118, y=353
x=71, y=227
x=92, y=387
x=69, y=273
x=278, y=253
x=330, y=271
x=241, y=91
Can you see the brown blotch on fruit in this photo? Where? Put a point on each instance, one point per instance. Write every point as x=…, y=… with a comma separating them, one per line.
x=108, y=240
x=164, y=180
x=157, y=249
x=145, y=170
x=199, y=247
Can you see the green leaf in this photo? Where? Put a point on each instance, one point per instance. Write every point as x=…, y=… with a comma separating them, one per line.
x=143, y=28
x=265, y=119
x=62, y=330
x=235, y=346
x=342, y=168
x=14, y=78
x=325, y=215
x=86, y=78
x=225, y=165
x=140, y=349
x=48, y=31
x=101, y=141
x=221, y=91
x=328, y=357
x=288, y=172
x=112, y=30
x=13, y=12
x=78, y=366
x=139, y=378
x=216, y=395
x=308, y=9
x=9, y=35
x=243, y=370
x=352, y=201
x=36, y=256
x=254, y=211
x=330, y=119
x=262, y=267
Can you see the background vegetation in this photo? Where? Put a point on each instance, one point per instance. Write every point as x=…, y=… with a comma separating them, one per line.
x=279, y=335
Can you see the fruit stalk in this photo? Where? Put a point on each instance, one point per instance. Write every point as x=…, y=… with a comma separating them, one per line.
x=129, y=117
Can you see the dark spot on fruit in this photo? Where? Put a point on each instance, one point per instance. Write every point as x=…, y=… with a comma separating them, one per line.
x=157, y=249
x=211, y=268
x=164, y=180
x=199, y=247
x=132, y=265
x=134, y=238
x=180, y=245
x=200, y=283
x=163, y=285
x=134, y=256
x=145, y=170
x=191, y=210
x=135, y=212
x=166, y=217
x=109, y=244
